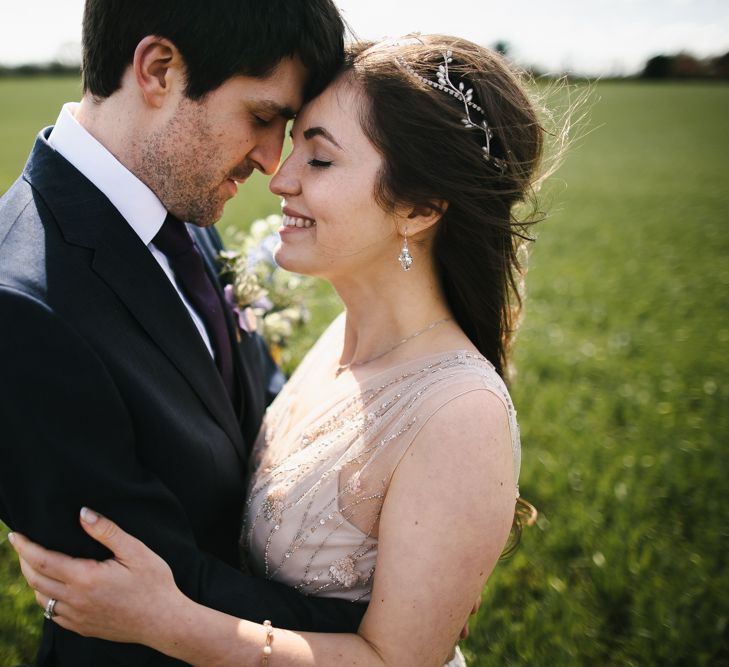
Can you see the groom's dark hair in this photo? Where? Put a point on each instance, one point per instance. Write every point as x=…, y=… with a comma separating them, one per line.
x=217, y=38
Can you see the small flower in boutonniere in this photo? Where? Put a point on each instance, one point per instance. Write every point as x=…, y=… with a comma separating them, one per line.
x=264, y=297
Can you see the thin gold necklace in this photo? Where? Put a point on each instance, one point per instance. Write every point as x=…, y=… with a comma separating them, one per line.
x=343, y=367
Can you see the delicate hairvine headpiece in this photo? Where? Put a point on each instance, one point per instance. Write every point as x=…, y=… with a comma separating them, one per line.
x=445, y=84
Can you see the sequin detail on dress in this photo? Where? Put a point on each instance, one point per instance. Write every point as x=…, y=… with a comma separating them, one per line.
x=343, y=572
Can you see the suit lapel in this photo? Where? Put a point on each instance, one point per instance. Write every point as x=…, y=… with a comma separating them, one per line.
x=88, y=219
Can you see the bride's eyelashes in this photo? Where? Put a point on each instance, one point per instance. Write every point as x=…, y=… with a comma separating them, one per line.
x=320, y=164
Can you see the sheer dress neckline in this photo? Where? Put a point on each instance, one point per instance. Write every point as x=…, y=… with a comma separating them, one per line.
x=422, y=358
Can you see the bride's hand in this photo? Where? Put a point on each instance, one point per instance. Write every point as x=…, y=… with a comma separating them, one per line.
x=124, y=599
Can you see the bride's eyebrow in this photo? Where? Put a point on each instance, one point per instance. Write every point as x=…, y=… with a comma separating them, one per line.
x=312, y=132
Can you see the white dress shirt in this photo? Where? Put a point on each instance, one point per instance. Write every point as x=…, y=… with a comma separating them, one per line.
x=137, y=204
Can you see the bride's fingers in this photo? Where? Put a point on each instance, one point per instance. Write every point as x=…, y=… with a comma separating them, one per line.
x=41, y=583
x=105, y=531
x=43, y=601
x=50, y=564
x=61, y=612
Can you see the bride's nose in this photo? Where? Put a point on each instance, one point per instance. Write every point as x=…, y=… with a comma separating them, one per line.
x=286, y=180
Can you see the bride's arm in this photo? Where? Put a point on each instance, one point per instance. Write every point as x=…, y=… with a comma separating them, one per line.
x=444, y=522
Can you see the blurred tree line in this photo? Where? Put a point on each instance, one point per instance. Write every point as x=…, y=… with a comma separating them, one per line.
x=45, y=69
x=686, y=66
x=676, y=66
x=66, y=62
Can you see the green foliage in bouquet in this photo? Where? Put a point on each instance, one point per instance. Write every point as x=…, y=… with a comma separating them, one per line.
x=265, y=297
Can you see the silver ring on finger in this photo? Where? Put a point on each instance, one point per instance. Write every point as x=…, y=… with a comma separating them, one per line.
x=49, y=613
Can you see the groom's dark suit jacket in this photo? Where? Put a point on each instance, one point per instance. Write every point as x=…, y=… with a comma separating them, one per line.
x=110, y=399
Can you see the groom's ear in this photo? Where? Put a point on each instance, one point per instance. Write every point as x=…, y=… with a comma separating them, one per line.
x=158, y=69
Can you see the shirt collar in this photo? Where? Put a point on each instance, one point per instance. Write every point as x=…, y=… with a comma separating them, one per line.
x=139, y=206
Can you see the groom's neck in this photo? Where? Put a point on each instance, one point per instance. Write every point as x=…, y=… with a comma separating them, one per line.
x=109, y=123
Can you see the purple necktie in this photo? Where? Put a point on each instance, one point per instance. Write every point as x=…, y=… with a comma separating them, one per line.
x=187, y=264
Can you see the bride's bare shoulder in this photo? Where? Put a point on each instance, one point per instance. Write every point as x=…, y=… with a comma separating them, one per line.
x=467, y=438
x=473, y=423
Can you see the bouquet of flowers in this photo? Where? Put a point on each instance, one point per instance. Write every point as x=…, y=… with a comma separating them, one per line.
x=263, y=296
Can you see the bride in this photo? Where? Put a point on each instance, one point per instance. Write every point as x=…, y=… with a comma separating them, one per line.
x=386, y=470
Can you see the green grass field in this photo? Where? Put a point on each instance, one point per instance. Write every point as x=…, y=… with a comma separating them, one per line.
x=622, y=388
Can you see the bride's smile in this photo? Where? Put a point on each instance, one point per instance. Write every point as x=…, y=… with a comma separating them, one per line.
x=297, y=221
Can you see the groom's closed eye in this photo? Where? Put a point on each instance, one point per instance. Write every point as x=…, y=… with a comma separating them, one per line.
x=268, y=110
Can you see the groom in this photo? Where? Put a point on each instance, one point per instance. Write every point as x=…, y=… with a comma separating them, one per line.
x=124, y=384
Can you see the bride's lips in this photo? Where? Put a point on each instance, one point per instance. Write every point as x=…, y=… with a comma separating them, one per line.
x=293, y=221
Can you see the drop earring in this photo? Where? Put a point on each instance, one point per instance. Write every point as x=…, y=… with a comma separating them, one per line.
x=405, y=258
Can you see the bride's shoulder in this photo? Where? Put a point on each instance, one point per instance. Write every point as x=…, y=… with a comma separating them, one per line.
x=466, y=409
x=474, y=428
x=459, y=370
x=472, y=396
x=464, y=455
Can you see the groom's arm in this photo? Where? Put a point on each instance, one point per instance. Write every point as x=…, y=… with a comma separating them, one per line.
x=67, y=440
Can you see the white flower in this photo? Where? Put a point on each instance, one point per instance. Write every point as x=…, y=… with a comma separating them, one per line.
x=259, y=229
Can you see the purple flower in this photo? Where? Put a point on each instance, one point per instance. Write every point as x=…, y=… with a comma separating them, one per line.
x=245, y=317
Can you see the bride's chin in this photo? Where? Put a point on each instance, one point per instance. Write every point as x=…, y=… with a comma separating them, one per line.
x=290, y=263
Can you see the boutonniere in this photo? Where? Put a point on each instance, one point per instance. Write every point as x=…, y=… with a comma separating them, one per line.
x=264, y=297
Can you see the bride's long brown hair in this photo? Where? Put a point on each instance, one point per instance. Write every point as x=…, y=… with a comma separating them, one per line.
x=429, y=156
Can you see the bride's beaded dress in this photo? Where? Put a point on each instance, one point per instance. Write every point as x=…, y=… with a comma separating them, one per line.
x=319, y=479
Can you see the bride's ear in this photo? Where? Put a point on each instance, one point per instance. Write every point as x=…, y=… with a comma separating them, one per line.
x=158, y=68
x=423, y=216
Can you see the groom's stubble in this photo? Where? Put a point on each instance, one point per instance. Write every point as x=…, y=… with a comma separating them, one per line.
x=181, y=164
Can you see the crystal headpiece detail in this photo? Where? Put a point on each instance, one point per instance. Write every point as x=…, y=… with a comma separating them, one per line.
x=460, y=92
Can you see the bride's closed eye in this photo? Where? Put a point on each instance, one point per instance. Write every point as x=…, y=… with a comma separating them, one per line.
x=321, y=164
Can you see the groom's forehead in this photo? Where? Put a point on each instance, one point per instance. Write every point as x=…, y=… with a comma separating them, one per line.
x=280, y=92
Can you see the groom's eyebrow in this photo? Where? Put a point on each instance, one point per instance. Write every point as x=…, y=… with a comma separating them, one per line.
x=275, y=109
x=312, y=132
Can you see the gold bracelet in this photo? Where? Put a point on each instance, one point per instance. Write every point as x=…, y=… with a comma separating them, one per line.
x=267, y=648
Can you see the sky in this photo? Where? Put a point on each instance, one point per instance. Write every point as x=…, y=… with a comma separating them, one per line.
x=595, y=37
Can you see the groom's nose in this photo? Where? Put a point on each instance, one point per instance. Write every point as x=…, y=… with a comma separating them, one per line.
x=266, y=154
